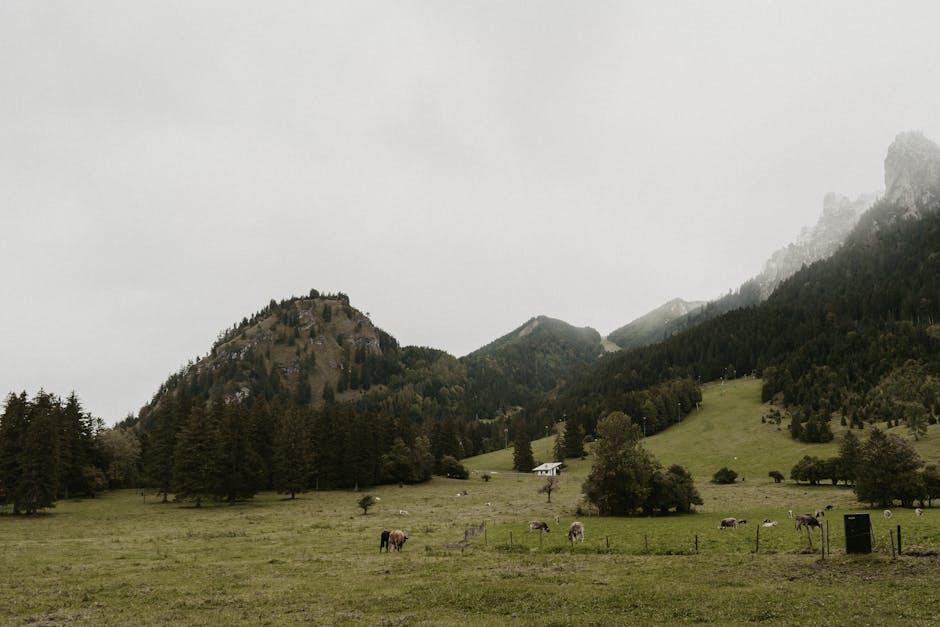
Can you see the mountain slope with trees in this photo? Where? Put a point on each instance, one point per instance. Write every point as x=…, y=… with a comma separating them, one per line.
x=830, y=333
x=839, y=216
x=528, y=363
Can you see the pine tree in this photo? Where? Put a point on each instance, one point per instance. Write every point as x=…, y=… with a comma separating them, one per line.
x=158, y=456
x=573, y=438
x=423, y=458
x=522, y=458
x=850, y=456
x=74, y=448
x=195, y=458
x=240, y=467
x=13, y=426
x=39, y=458
x=291, y=461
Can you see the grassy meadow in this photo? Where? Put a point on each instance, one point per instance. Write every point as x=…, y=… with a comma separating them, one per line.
x=126, y=559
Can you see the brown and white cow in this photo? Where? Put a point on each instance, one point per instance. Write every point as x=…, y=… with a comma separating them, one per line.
x=538, y=525
x=396, y=539
x=730, y=523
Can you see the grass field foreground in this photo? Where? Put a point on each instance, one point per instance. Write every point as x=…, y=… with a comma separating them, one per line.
x=123, y=559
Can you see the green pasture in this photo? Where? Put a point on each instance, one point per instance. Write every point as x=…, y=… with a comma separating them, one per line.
x=126, y=559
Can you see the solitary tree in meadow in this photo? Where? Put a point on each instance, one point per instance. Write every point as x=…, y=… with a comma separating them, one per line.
x=365, y=503
x=552, y=484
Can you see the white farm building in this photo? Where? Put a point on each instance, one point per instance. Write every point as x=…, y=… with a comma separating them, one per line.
x=553, y=468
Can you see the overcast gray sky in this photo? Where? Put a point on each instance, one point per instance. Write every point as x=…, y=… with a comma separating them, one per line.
x=456, y=167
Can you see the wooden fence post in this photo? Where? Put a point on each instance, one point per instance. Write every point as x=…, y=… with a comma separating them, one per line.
x=510, y=538
x=899, y=539
x=607, y=540
x=757, y=541
x=696, y=543
x=646, y=543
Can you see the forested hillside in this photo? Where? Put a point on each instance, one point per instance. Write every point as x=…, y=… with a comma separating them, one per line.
x=531, y=361
x=859, y=321
x=838, y=218
x=312, y=380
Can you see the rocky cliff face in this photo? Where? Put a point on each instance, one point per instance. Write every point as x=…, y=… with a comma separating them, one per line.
x=839, y=216
x=912, y=172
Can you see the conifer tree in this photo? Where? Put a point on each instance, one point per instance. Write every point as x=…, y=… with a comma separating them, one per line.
x=158, y=458
x=13, y=425
x=39, y=458
x=423, y=458
x=240, y=467
x=573, y=438
x=522, y=458
x=291, y=459
x=850, y=456
x=195, y=458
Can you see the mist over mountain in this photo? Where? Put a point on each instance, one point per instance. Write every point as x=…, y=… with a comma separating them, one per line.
x=839, y=216
x=912, y=172
x=843, y=338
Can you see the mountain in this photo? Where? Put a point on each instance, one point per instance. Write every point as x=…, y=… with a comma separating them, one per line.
x=298, y=350
x=912, y=172
x=839, y=216
x=529, y=362
x=853, y=336
x=652, y=327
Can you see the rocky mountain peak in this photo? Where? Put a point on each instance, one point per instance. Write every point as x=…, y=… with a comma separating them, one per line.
x=912, y=171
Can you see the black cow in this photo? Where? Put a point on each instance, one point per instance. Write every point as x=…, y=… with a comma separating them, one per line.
x=383, y=543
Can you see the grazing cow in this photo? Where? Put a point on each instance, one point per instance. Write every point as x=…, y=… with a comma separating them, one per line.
x=806, y=520
x=538, y=525
x=830, y=507
x=576, y=531
x=730, y=523
x=768, y=523
x=396, y=539
x=819, y=513
x=488, y=504
x=557, y=520
x=402, y=512
x=919, y=511
x=887, y=514
x=383, y=543
x=790, y=514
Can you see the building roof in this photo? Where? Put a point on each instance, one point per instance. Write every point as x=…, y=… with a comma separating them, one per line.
x=548, y=466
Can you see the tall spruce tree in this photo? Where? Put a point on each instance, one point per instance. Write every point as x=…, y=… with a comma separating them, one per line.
x=240, y=467
x=39, y=458
x=291, y=458
x=75, y=443
x=158, y=456
x=13, y=426
x=522, y=458
x=195, y=458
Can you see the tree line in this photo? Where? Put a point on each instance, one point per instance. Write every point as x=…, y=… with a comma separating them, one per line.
x=52, y=449
x=883, y=470
x=230, y=451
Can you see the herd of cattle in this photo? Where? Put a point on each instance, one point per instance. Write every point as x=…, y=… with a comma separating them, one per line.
x=395, y=540
x=575, y=530
x=808, y=521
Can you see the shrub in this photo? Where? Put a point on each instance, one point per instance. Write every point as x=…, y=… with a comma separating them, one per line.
x=450, y=467
x=724, y=476
x=776, y=475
